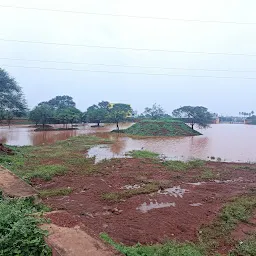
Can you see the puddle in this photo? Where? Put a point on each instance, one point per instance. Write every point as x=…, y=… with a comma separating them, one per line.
x=144, y=208
x=129, y=187
x=240, y=179
x=196, y=183
x=196, y=205
x=175, y=191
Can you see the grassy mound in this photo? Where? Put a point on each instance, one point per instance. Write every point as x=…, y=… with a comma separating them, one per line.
x=161, y=128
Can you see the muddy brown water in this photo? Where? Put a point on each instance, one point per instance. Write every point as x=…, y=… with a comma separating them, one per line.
x=230, y=142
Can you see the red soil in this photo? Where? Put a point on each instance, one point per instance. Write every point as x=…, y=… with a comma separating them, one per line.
x=199, y=205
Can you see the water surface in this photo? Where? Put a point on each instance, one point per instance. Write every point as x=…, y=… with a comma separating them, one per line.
x=230, y=142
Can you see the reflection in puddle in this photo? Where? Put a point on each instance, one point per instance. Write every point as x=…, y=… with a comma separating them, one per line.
x=196, y=205
x=175, y=191
x=148, y=207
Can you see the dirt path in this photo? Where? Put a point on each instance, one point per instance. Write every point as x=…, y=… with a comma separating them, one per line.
x=65, y=241
x=73, y=242
x=13, y=186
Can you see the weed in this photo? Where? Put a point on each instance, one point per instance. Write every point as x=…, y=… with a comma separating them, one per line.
x=143, y=154
x=208, y=174
x=240, y=209
x=246, y=248
x=55, y=192
x=118, y=196
x=46, y=172
x=169, y=248
x=19, y=230
x=182, y=166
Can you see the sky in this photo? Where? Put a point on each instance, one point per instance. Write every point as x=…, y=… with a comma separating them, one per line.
x=172, y=57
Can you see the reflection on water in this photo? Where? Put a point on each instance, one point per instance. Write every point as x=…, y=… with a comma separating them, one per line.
x=230, y=142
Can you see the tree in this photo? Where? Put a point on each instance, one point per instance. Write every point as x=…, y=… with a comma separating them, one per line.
x=12, y=101
x=156, y=112
x=118, y=113
x=98, y=113
x=61, y=102
x=194, y=115
x=43, y=113
x=68, y=115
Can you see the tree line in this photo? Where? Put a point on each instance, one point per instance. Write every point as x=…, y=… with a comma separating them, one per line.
x=63, y=110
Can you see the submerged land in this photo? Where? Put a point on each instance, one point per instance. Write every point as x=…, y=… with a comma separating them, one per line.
x=168, y=207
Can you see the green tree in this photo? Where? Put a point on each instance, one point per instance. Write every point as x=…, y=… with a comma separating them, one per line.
x=68, y=115
x=118, y=113
x=98, y=113
x=42, y=114
x=156, y=112
x=61, y=102
x=194, y=115
x=12, y=101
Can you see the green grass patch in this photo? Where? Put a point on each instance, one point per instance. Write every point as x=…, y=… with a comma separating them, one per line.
x=143, y=154
x=167, y=249
x=239, y=210
x=207, y=174
x=124, y=194
x=183, y=166
x=246, y=248
x=19, y=232
x=47, y=161
x=246, y=167
x=46, y=172
x=55, y=192
x=161, y=128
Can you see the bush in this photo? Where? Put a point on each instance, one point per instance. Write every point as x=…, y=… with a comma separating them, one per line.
x=19, y=232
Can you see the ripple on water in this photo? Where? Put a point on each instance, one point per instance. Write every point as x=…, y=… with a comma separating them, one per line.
x=144, y=208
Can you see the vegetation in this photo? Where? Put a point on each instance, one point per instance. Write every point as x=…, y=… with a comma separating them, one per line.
x=169, y=248
x=60, y=109
x=156, y=112
x=98, y=113
x=37, y=162
x=20, y=235
x=12, y=101
x=164, y=127
x=143, y=154
x=194, y=115
x=55, y=192
x=122, y=195
x=239, y=210
x=118, y=113
x=183, y=166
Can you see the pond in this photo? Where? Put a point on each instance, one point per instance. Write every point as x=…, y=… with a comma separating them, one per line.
x=230, y=142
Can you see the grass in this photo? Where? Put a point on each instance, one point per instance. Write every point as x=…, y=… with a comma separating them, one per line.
x=246, y=248
x=143, y=154
x=46, y=172
x=20, y=235
x=246, y=167
x=207, y=174
x=47, y=161
x=55, y=192
x=125, y=194
x=161, y=128
x=183, y=166
x=167, y=249
x=239, y=210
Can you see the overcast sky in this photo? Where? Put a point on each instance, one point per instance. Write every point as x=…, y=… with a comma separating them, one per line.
x=178, y=85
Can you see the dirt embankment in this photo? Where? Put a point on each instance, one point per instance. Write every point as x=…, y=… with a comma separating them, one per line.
x=137, y=200
x=5, y=150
